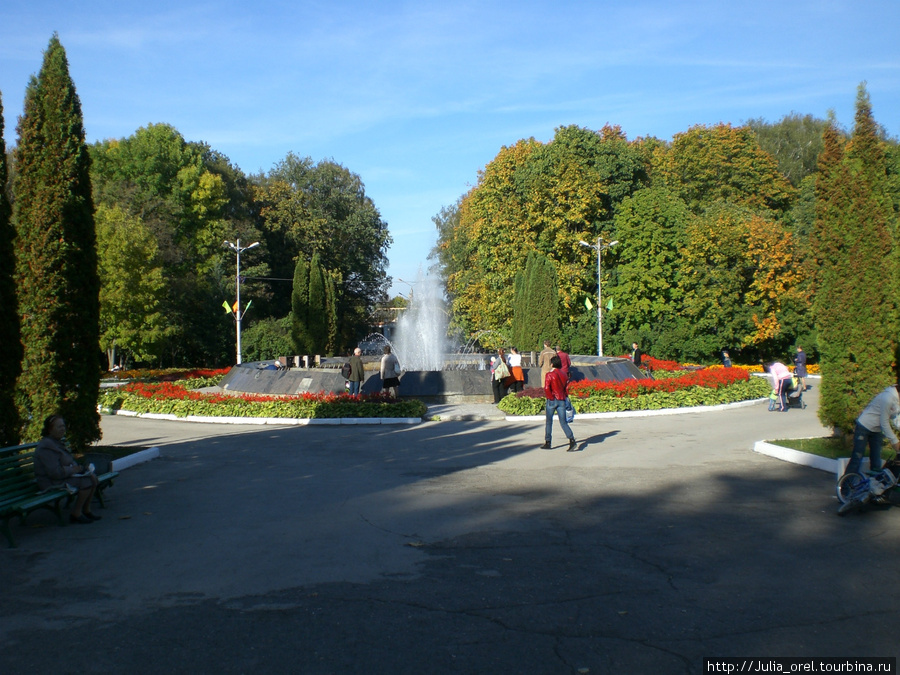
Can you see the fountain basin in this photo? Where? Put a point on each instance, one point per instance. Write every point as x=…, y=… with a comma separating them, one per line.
x=431, y=386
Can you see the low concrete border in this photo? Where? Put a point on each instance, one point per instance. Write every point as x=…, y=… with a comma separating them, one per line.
x=279, y=421
x=136, y=458
x=644, y=413
x=835, y=466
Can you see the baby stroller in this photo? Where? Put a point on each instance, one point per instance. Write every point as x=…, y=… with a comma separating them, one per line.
x=793, y=396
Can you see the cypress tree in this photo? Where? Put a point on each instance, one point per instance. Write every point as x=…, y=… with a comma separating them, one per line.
x=541, y=303
x=10, y=338
x=331, y=305
x=56, y=256
x=519, y=324
x=317, y=321
x=853, y=245
x=300, y=308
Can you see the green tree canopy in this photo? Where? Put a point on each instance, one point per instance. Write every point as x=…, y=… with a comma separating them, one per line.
x=323, y=209
x=132, y=287
x=723, y=163
x=794, y=143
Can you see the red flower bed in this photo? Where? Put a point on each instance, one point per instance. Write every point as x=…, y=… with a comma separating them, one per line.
x=658, y=364
x=167, y=391
x=190, y=374
x=712, y=379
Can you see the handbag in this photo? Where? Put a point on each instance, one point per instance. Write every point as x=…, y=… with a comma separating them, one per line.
x=501, y=372
x=570, y=411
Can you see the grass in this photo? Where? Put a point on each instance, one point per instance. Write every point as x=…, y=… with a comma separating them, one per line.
x=830, y=447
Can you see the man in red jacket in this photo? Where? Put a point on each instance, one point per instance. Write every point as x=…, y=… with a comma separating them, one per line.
x=556, y=387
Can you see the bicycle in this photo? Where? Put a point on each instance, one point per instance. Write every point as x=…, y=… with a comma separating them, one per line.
x=856, y=489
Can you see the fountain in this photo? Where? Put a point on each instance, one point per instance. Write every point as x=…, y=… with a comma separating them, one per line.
x=421, y=341
x=432, y=371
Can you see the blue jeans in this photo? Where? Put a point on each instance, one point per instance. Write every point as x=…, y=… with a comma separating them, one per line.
x=862, y=437
x=559, y=407
x=354, y=387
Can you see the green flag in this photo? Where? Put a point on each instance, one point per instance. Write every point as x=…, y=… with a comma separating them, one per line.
x=588, y=304
x=226, y=306
x=609, y=305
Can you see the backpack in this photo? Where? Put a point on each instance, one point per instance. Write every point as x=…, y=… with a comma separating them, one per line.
x=345, y=371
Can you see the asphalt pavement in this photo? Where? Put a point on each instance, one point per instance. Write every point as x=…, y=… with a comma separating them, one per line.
x=454, y=546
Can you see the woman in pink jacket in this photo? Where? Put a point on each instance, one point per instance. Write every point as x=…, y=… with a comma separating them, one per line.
x=781, y=382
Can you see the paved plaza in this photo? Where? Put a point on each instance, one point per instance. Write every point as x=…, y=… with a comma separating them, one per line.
x=454, y=547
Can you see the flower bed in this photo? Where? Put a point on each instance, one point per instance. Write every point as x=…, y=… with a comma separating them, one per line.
x=168, y=374
x=693, y=388
x=176, y=399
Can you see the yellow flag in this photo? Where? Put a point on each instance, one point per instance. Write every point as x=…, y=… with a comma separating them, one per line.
x=225, y=305
x=588, y=303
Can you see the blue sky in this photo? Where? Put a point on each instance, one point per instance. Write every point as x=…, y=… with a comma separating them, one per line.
x=416, y=97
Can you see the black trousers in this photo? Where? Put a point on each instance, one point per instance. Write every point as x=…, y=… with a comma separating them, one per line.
x=498, y=389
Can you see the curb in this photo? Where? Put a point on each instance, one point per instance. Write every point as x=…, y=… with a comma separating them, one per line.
x=643, y=413
x=137, y=458
x=280, y=421
x=797, y=457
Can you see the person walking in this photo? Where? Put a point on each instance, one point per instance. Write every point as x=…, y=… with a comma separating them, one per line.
x=565, y=361
x=390, y=372
x=556, y=392
x=546, y=354
x=800, y=368
x=357, y=372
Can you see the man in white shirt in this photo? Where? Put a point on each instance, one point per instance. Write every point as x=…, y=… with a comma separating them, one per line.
x=872, y=427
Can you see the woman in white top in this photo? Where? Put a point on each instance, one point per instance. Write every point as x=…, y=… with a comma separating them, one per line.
x=514, y=361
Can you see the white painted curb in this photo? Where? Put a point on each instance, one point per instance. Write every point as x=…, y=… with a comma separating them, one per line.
x=279, y=421
x=834, y=466
x=137, y=458
x=643, y=413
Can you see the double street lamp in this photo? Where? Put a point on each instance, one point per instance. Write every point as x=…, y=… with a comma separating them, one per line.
x=600, y=246
x=238, y=315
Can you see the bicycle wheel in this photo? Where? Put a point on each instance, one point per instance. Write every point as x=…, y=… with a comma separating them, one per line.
x=847, y=485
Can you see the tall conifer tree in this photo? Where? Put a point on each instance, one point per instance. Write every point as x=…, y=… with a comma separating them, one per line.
x=56, y=262
x=540, y=303
x=317, y=321
x=854, y=247
x=300, y=308
x=10, y=338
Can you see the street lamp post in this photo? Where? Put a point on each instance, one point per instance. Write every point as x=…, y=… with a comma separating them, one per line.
x=238, y=315
x=411, y=289
x=599, y=247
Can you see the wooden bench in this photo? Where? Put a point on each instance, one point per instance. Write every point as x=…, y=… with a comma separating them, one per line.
x=20, y=494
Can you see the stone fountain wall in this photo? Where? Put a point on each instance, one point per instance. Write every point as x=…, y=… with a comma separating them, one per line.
x=440, y=386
